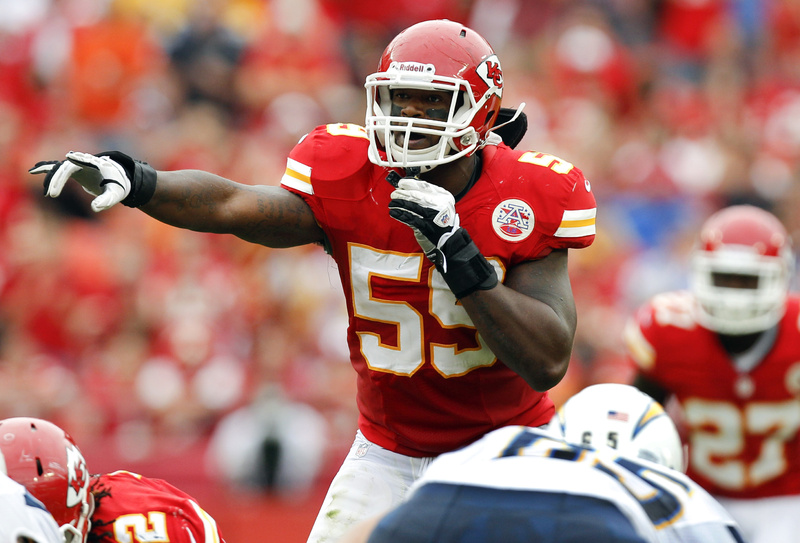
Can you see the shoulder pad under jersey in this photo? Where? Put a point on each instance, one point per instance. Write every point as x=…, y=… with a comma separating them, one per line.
x=330, y=161
x=557, y=191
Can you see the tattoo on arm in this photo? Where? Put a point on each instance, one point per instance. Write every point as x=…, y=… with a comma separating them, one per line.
x=205, y=202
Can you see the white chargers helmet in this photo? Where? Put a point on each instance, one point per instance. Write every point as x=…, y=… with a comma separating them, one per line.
x=23, y=518
x=623, y=418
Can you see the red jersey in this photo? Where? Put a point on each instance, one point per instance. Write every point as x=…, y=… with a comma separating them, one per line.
x=742, y=426
x=426, y=381
x=136, y=508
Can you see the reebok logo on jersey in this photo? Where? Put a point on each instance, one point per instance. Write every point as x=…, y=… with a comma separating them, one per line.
x=513, y=220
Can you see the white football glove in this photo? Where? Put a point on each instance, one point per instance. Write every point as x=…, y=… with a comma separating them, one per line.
x=430, y=211
x=100, y=176
x=112, y=177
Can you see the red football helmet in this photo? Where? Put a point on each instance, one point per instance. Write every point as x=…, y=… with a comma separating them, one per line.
x=44, y=459
x=750, y=243
x=437, y=55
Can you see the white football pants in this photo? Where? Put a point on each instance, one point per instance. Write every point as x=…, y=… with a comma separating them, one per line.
x=370, y=481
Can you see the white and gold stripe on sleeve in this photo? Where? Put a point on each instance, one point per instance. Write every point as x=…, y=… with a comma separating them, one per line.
x=210, y=532
x=297, y=176
x=577, y=223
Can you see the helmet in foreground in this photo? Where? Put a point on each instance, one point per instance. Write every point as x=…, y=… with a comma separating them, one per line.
x=747, y=244
x=438, y=55
x=23, y=518
x=623, y=418
x=44, y=459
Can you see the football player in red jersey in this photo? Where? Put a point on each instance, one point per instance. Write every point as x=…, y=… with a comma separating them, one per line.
x=728, y=350
x=112, y=507
x=451, y=248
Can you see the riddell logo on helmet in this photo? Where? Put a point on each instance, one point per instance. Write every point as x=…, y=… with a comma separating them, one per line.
x=412, y=67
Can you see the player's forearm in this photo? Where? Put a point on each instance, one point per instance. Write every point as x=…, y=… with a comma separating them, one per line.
x=526, y=334
x=206, y=202
x=193, y=199
x=529, y=321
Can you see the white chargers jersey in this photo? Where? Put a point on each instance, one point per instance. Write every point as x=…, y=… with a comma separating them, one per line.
x=662, y=505
x=22, y=515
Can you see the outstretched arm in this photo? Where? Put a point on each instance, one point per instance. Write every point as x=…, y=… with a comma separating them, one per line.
x=205, y=202
x=529, y=321
x=190, y=199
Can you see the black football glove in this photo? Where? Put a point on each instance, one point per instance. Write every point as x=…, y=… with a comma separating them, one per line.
x=431, y=212
x=112, y=177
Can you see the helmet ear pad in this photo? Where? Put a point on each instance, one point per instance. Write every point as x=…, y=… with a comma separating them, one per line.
x=511, y=130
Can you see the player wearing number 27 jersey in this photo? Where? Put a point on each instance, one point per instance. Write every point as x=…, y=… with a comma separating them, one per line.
x=426, y=382
x=743, y=435
x=728, y=350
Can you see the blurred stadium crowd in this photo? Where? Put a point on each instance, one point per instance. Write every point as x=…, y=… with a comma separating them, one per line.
x=145, y=338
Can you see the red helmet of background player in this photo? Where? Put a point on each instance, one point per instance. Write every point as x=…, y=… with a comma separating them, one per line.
x=438, y=55
x=742, y=241
x=44, y=459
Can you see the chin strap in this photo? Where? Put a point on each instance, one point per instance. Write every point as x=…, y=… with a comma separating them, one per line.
x=394, y=178
x=516, y=115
